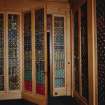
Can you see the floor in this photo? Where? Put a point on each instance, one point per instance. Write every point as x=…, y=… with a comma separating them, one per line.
x=16, y=102
x=62, y=101
x=52, y=101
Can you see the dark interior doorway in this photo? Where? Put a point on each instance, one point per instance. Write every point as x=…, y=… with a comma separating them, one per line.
x=49, y=35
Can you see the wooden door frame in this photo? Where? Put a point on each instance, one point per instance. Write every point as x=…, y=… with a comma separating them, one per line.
x=92, y=46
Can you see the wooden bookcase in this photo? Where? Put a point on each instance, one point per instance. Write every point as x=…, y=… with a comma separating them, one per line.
x=31, y=17
x=95, y=37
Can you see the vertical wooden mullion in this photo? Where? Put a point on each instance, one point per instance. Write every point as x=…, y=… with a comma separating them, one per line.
x=23, y=51
x=51, y=59
x=65, y=53
x=46, y=62
x=6, y=39
x=79, y=45
x=72, y=50
x=33, y=52
x=68, y=56
x=92, y=53
x=5, y=69
x=20, y=50
x=53, y=53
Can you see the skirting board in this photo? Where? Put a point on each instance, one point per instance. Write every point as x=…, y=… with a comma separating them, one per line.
x=33, y=98
x=11, y=95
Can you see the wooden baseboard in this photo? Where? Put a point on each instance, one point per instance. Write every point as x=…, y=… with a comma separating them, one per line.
x=34, y=99
x=11, y=95
x=80, y=99
x=28, y=96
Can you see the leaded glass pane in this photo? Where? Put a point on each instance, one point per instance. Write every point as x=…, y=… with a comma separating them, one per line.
x=39, y=51
x=27, y=52
x=13, y=52
x=59, y=52
x=100, y=25
x=1, y=52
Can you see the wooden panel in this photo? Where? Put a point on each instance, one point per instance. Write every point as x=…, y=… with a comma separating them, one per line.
x=17, y=5
x=57, y=8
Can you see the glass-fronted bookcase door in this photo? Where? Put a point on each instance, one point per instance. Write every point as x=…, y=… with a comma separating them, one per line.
x=59, y=58
x=10, y=75
x=35, y=55
x=40, y=55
